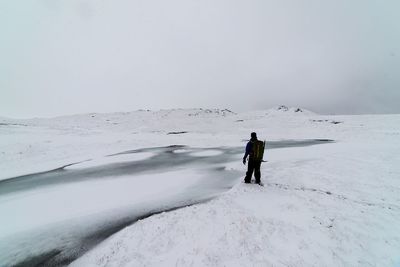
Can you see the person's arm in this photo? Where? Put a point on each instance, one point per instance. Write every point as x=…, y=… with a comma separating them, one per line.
x=248, y=149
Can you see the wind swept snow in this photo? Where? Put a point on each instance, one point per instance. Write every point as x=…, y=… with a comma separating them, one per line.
x=331, y=194
x=335, y=205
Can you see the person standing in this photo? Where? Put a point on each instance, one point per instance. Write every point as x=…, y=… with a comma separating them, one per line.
x=255, y=152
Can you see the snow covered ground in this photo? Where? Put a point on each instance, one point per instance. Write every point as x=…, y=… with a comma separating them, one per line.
x=333, y=204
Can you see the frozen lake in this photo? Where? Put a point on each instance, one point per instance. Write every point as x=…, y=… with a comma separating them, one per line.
x=53, y=217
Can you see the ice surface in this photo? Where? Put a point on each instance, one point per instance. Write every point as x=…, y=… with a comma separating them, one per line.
x=111, y=159
x=207, y=153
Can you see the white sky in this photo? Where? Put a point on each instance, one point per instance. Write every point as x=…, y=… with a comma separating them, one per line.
x=72, y=56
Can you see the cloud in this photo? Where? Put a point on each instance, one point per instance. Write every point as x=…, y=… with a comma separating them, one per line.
x=86, y=55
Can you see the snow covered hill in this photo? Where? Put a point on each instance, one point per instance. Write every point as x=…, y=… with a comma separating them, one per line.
x=335, y=204
x=289, y=110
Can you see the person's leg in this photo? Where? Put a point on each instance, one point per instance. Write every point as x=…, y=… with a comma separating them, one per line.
x=257, y=172
x=249, y=173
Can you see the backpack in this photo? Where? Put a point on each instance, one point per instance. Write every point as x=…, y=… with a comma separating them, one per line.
x=257, y=152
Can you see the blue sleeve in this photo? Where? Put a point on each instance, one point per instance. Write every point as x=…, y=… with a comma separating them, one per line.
x=248, y=149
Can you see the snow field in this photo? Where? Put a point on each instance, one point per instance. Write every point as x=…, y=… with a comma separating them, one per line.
x=327, y=205
x=335, y=204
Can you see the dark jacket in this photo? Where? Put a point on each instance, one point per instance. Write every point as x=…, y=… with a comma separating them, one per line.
x=249, y=147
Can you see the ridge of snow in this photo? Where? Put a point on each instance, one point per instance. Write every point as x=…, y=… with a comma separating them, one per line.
x=289, y=110
x=94, y=119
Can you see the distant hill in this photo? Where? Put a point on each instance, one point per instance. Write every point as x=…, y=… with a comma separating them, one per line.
x=289, y=110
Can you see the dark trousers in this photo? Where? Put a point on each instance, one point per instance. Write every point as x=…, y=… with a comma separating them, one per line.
x=253, y=166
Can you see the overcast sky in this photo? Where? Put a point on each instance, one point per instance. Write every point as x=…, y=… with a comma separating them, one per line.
x=75, y=56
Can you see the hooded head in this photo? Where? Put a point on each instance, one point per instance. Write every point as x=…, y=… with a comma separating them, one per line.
x=253, y=136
